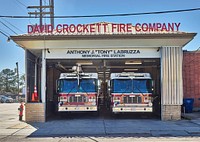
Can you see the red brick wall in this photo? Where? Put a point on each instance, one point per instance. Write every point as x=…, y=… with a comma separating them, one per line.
x=191, y=76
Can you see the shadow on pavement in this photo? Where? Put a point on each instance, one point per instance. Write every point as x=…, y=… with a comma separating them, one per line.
x=132, y=125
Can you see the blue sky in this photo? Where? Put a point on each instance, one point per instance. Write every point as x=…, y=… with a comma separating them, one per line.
x=10, y=53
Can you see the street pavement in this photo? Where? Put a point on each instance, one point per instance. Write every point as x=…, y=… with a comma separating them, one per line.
x=97, y=129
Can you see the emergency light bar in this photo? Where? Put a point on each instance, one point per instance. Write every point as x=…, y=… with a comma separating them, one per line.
x=63, y=75
x=130, y=74
x=74, y=75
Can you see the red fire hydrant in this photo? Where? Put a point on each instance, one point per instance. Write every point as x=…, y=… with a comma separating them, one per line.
x=21, y=109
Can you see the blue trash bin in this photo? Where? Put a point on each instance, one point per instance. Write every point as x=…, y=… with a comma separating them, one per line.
x=188, y=104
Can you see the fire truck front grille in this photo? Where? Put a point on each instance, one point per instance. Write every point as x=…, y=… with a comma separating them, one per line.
x=77, y=99
x=129, y=100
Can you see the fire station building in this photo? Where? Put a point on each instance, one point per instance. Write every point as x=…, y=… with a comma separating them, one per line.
x=104, y=48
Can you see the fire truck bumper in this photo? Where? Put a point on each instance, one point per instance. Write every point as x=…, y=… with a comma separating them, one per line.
x=132, y=109
x=77, y=108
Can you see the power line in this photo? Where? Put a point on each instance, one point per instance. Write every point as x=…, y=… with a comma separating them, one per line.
x=45, y=2
x=12, y=25
x=42, y=11
x=8, y=27
x=107, y=15
x=4, y=33
x=24, y=5
x=21, y=3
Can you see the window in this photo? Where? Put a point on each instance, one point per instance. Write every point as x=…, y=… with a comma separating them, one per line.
x=142, y=86
x=131, y=86
x=71, y=85
x=121, y=86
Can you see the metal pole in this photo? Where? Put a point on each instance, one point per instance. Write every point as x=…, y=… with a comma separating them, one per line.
x=17, y=78
x=43, y=77
x=104, y=81
x=35, y=81
x=51, y=3
x=40, y=13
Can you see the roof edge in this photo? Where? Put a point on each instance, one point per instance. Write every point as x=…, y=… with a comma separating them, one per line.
x=102, y=36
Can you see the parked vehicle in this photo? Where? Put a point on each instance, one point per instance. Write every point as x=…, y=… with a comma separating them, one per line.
x=5, y=99
x=78, y=92
x=131, y=92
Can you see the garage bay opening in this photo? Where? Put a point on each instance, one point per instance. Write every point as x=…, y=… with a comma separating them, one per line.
x=104, y=87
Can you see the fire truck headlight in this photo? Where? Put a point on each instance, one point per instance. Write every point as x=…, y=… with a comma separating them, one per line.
x=61, y=103
x=150, y=104
x=116, y=103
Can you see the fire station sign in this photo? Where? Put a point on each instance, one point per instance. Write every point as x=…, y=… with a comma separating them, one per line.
x=102, y=53
x=103, y=28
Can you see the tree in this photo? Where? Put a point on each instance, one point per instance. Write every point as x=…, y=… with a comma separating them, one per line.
x=22, y=82
x=8, y=81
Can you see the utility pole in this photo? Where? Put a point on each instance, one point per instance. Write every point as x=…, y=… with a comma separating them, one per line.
x=51, y=3
x=42, y=11
x=17, y=69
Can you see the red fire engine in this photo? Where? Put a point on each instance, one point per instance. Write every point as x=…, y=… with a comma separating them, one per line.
x=77, y=92
x=131, y=92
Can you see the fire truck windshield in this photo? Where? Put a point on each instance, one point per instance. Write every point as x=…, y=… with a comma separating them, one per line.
x=142, y=86
x=131, y=86
x=122, y=85
x=71, y=85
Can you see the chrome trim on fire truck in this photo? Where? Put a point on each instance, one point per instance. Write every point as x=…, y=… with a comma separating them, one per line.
x=132, y=109
x=77, y=108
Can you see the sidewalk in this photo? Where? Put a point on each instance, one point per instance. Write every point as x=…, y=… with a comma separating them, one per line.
x=102, y=127
x=191, y=116
x=11, y=127
x=101, y=130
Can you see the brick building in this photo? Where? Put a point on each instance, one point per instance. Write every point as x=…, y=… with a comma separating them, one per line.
x=191, y=76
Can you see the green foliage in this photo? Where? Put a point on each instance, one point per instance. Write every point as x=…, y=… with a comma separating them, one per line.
x=9, y=81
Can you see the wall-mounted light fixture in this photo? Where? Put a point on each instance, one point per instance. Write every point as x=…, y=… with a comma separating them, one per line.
x=8, y=40
x=48, y=50
x=84, y=63
x=133, y=62
x=130, y=69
